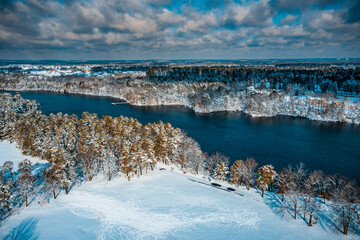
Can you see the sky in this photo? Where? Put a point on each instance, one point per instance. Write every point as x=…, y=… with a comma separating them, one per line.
x=169, y=29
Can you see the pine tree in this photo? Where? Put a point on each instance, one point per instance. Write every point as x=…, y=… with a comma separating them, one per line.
x=110, y=164
x=148, y=148
x=237, y=172
x=214, y=160
x=25, y=180
x=6, y=196
x=53, y=176
x=267, y=175
x=221, y=171
x=69, y=174
x=7, y=168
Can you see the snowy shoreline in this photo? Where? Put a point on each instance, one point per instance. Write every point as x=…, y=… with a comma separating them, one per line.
x=294, y=106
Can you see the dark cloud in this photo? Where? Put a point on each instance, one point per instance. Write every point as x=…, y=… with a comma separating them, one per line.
x=303, y=4
x=353, y=14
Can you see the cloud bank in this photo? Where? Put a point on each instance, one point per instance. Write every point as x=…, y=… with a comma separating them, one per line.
x=143, y=29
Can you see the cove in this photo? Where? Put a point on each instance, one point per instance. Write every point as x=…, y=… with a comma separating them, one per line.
x=280, y=141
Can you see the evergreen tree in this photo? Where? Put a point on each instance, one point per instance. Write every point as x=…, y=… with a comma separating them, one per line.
x=69, y=174
x=53, y=176
x=221, y=171
x=6, y=196
x=237, y=172
x=267, y=175
x=110, y=164
x=25, y=180
x=7, y=168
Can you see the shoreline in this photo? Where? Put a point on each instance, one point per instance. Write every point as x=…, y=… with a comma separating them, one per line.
x=196, y=110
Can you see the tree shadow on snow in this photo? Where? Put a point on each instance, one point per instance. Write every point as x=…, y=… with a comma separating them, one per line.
x=279, y=207
x=25, y=230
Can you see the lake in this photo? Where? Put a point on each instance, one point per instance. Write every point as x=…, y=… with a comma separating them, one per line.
x=280, y=141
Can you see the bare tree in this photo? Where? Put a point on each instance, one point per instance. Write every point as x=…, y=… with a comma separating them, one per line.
x=250, y=165
x=346, y=197
x=282, y=180
x=311, y=188
x=297, y=175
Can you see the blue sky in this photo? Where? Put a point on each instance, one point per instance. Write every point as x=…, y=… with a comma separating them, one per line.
x=168, y=29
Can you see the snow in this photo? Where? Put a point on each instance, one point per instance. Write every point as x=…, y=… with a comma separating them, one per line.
x=9, y=151
x=160, y=205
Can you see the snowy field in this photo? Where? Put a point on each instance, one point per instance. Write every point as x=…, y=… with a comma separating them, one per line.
x=160, y=205
x=9, y=151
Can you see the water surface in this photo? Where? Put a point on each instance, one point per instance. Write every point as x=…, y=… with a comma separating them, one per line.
x=331, y=147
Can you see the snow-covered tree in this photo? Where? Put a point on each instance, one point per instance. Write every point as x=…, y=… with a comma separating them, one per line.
x=214, y=160
x=281, y=183
x=25, y=180
x=110, y=164
x=147, y=147
x=6, y=196
x=221, y=171
x=250, y=165
x=310, y=189
x=294, y=186
x=7, y=168
x=267, y=175
x=69, y=174
x=238, y=172
x=53, y=176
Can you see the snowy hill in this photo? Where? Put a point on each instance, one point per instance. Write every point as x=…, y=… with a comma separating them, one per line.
x=165, y=204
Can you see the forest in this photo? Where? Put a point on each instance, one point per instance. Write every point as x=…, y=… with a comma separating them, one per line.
x=323, y=93
x=314, y=78
x=78, y=149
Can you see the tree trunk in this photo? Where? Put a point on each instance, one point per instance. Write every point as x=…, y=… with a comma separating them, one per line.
x=54, y=194
x=66, y=189
x=109, y=175
x=26, y=200
x=310, y=220
x=305, y=208
x=282, y=197
x=295, y=210
x=262, y=193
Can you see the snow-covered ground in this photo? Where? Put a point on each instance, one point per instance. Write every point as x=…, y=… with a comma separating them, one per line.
x=9, y=151
x=161, y=205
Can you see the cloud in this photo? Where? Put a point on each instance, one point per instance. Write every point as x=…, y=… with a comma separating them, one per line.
x=158, y=28
x=289, y=19
x=303, y=4
x=353, y=14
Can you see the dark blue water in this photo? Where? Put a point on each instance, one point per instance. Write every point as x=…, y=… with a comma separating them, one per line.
x=331, y=147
